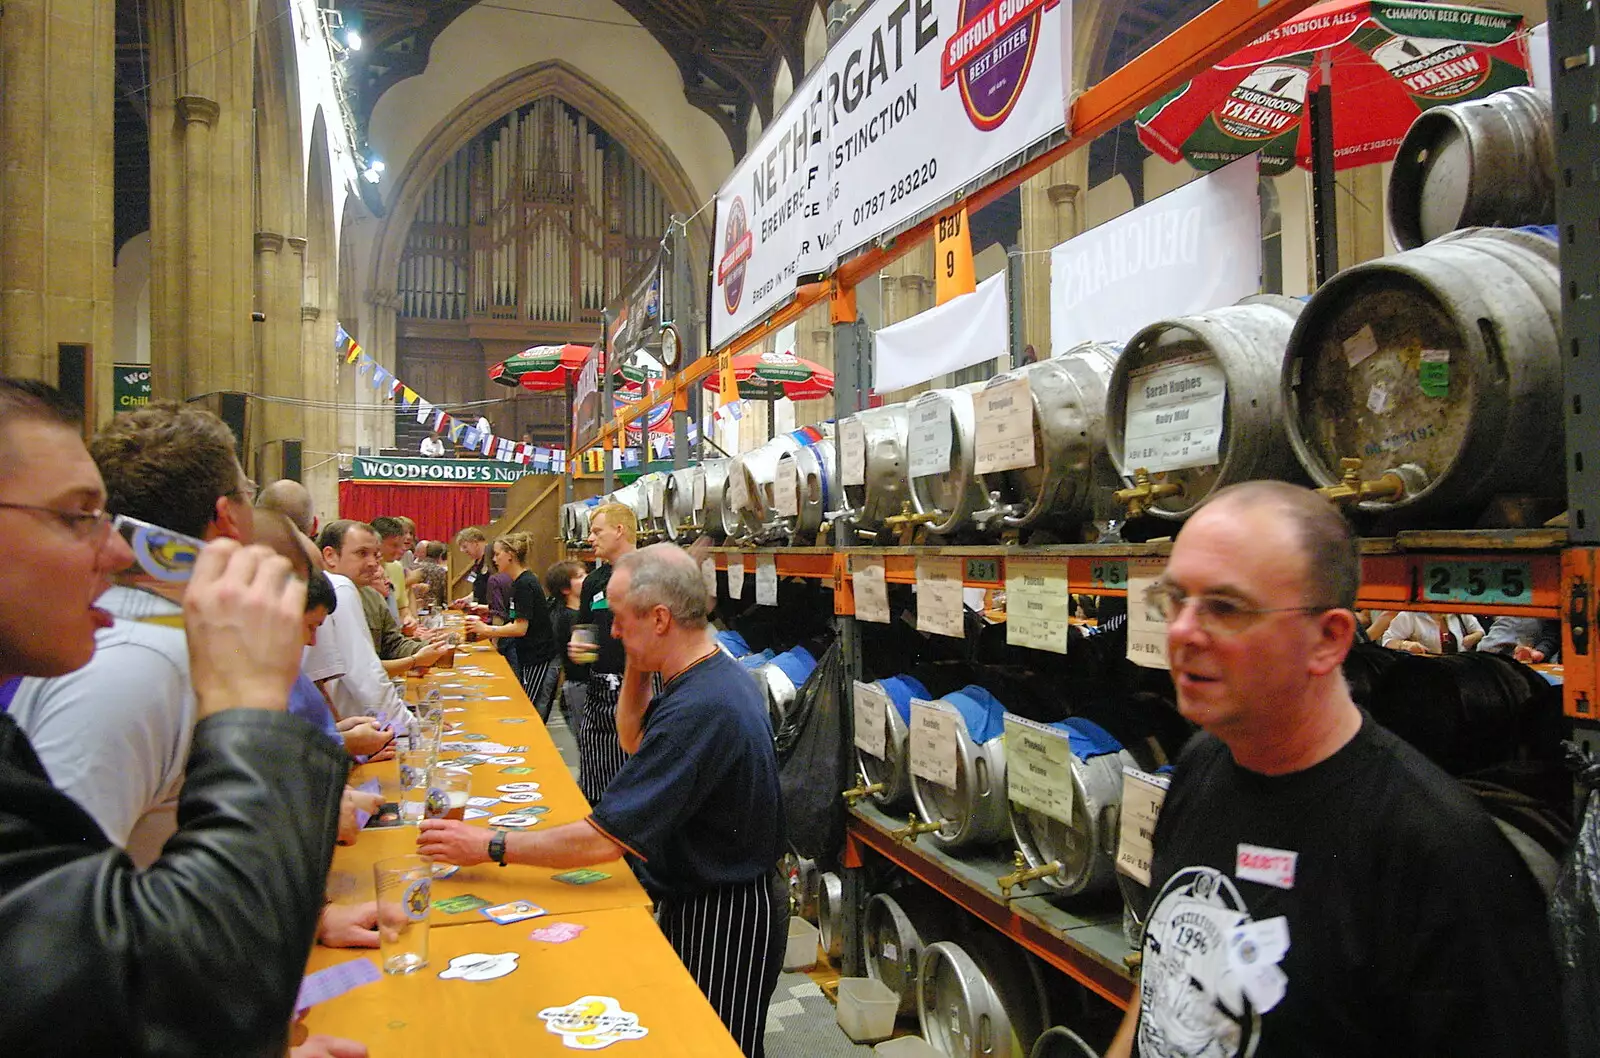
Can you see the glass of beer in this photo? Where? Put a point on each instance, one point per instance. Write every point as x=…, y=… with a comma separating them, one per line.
x=405, y=895
x=587, y=638
x=448, y=790
x=415, y=761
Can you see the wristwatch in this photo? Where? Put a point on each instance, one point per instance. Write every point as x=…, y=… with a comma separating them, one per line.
x=497, y=847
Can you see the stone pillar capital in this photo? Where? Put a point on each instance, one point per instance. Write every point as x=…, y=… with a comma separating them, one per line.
x=310, y=313
x=268, y=242
x=198, y=109
x=1061, y=193
x=296, y=243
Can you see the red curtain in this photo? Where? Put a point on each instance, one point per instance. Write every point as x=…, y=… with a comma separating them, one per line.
x=439, y=510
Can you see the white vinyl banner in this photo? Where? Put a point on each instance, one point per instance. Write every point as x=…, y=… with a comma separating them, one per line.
x=917, y=99
x=1190, y=250
x=965, y=330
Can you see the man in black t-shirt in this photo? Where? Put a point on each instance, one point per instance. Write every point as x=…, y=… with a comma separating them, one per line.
x=1320, y=887
x=696, y=809
x=612, y=529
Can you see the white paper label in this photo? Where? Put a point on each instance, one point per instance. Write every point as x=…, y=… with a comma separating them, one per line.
x=1360, y=345
x=928, y=444
x=735, y=576
x=852, y=452
x=1038, y=604
x=939, y=602
x=698, y=494
x=1378, y=398
x=786, y=490
x=708, y=574
x=1003, y=427
x=1147, y=629
x=1254, y=951
x=1174, y=414
x=1142, y=795
x=1039, y=768
x=738, y=495
x=766, y=580
x=871, y=729
x=872, y=594
x=1265, y=866
x=936, y=730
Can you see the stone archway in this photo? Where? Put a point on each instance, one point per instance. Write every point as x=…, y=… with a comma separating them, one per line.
x=322, y=372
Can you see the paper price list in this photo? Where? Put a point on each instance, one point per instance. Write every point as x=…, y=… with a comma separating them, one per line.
x=870, y=705
x=1147, y=629
x=1039, y=768
x=928, y=445
x=1038, y=603
x=852, y=452
x=1142, y=797
x=1174, y=414
x=1003, y=427
x=939, y=600
x=934, y=744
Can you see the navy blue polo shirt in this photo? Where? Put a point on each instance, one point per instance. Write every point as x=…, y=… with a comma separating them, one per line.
x=699, y=805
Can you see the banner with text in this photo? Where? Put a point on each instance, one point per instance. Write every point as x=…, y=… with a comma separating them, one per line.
x=400, y=470
x=914, y=102
x=1193, y=249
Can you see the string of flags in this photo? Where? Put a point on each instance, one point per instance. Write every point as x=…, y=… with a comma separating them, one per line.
x=462, y=432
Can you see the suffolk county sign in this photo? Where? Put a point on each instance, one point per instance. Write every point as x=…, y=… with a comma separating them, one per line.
x=405, y=471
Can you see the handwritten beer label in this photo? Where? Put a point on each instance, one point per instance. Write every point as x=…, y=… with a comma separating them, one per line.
x=934, y=745
x=1174, y=414
x=1038, y=604
x=872, y=594
x=1142, y=795
x=852, y=452
x=929, y=442
x=766, y=580
x=708, y=576
x=735, y=576
x=869, y=703
x=1039, y=768
x=939, y=601
x=1147, y=629
x=786, y=489
x=1003, y=427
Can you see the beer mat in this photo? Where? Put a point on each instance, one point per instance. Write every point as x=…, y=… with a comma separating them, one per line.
x=557, y=932
x=523, y=797
x=514, y=821
x=334, y=982
x=482, y=802
x=386, y=817
x=501, y=698
x=475, y=813
x=581, y=876
x=515, y=911
x=370, y=786
x=517, y=769
x=455, y=905
x=480, y=966
x=516, y=787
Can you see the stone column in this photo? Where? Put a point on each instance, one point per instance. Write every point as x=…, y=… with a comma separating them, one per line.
x=57, y=87
x=199, y=115
x=1051, y=213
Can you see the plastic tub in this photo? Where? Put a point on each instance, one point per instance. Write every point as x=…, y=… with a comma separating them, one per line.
x=801, y=951
x=866, y=1009
x=905, y=1047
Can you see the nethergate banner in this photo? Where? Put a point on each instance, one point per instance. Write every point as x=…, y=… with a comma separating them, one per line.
x=918, y=99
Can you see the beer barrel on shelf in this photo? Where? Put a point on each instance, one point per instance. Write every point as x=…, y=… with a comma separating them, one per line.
x=1441, y=366
x=682, y=513
x=893, y=769
x=981, y=997
x=812, y=468
x=1069, y=443
x=804, y=882
x=1172, y=360
x=781, y=680
x=653, y=489
x=750, y=496
x=974, y=811
x=1061, y=1042
x=1085, y=848
x=885, y=488
x=1489, y=161
x=947, y=497
x=633, y=498
x=575, y=523
x=830, y=913
x=895, y=930
x=717, y=516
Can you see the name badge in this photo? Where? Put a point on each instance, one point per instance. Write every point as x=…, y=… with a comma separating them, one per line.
x=1274, y=867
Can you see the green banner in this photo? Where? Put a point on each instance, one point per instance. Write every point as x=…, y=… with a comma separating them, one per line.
x=401, y=470
x=130, y=386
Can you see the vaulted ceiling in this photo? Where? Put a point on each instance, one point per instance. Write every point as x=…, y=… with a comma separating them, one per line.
x=727, y=51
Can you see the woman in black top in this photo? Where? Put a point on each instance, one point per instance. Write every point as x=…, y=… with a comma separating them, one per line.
x=533, y=655
x=472, y=543
x=564, y=583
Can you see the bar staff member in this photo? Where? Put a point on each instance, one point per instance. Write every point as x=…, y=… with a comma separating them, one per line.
x=612, y=530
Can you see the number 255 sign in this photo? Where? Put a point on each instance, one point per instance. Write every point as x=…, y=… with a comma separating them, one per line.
x=1500, y=583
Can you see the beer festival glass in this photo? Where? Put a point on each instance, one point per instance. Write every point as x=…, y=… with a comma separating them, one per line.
x=587, y=637
x=404, y=887
x=448, y=790
x=415, y=760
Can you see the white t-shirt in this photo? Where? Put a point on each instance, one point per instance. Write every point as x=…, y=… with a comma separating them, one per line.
x=344, y=655
x=1421, y=628
x=433, y=447
x=114, y=735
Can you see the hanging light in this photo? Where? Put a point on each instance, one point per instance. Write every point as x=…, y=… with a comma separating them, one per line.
x=352, y=39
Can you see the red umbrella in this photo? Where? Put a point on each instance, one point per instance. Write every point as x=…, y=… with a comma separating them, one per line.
x=768, y=376
x=1384, y=63
x=546, y=368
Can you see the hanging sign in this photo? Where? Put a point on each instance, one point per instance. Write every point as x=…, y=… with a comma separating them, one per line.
x=130, y=386
x=1147, y=629
x=735, y=576
x=940, y=605
x=402, y=470
x=1038, y=603
x=872, y=594
x=934, y=742
x=869, y=704
x=766, y=580
x=952, y=256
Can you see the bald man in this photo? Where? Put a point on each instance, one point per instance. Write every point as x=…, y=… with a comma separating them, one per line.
x=290, y=499
x=696, y=808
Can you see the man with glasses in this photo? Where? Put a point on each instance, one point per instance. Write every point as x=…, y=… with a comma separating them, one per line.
x=201, y=953
x=1319, y=887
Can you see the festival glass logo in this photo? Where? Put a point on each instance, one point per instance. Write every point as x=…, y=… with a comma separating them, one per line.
x=990, y=55
x=1265, y=104
x=737, y=244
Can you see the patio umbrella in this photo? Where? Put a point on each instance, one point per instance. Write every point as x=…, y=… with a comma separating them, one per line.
x=768, y=376
x=546, y=369
x=1385, y=64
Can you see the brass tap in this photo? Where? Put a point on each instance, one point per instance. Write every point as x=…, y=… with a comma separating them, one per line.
x=1145, y=492
x=1351, y=489
x=865, y=789
x=689, y=526
x=1024, y=874
x=913, y=828
x=906, y=522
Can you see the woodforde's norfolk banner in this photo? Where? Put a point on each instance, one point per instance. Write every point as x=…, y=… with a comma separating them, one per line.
x=917, y=100
x=402, y=470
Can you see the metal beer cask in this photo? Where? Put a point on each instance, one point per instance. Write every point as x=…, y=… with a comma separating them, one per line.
x=892, y=771
x=813, y=469
x=974, y=811
x=1069, y=443
x=946, y=499
x=1087, y=848
x=1246, y=342
x=1484, y=161
x=653, y=522
x=886, y=488
x=895, y=929
x=682, y=513
x=980, y=998
x=1441, y=365
x=755, y=471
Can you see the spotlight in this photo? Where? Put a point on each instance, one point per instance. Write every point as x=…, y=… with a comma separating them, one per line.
x=352, y=40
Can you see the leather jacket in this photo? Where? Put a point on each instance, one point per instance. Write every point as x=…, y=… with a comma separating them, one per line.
x=202, y=953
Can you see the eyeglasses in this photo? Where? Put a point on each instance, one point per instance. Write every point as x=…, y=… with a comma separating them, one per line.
x=88, y=526
x=246, y=492
x=1217, y=615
